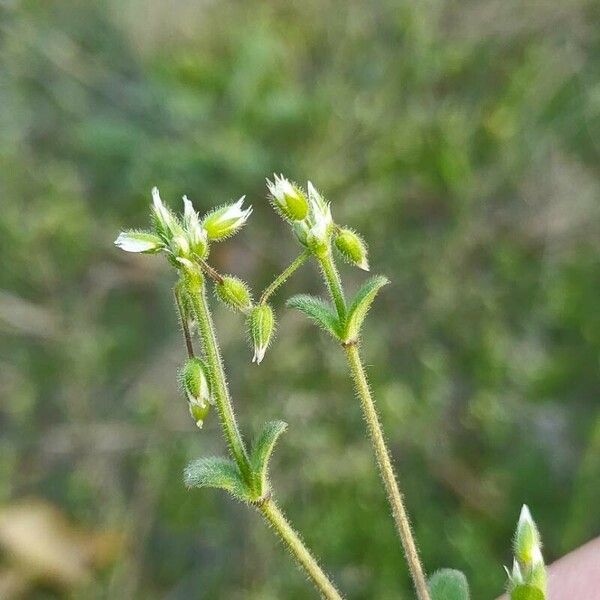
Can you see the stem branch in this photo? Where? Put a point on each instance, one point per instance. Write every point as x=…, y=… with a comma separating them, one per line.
x=284, y=276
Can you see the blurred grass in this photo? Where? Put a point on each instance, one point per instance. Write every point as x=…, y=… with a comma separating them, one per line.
x=462, y=140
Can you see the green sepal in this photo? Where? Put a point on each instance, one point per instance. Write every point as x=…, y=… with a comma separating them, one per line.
x=526, y=592
x=320, y=311
x=448, y=584
x=360, y=306
x=217, y=472
x=262, y=448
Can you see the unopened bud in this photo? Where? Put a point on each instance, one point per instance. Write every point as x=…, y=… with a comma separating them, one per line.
x=234, y=292
x=196, y=386
x=527, y=540
x=317, y=238
x=261, y=324
x=225, y=221
x=287, y=198
x=352, y=248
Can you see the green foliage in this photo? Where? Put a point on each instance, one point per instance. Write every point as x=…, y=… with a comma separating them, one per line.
x=462, y=144
x=526, y=592
x=448, y=584
x=262, y=448
x=318, y=310
x=360, y=306
x=217, y=472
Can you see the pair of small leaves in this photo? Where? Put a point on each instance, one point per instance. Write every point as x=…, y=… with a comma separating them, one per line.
x=448, y=584
x=324, y=315
x=223, y=473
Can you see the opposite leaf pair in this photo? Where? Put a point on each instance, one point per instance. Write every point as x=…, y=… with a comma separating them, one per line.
x=223, y=473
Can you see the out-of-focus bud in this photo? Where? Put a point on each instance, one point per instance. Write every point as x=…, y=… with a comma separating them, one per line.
x=287, y=198
x=196, y=234
x=353, y=248
x=195, y=384
x=227, y=220
x=527, y=539
x=261, y=324
x=528, y=570
x=165, y=222
x=234, y=292
x=139, y=241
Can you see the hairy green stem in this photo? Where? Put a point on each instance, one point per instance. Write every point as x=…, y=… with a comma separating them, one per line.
x=332, y=278
x=269, y=510
x=295, y=545
x=284, y=276
x=387, y=472
x=197, y=294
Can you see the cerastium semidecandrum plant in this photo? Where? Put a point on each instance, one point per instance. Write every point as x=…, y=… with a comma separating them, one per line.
x=186, y=243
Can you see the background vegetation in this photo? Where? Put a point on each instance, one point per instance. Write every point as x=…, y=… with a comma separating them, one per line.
x=461, y=138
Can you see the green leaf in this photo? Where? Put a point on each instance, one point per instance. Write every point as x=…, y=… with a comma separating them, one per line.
x=262, y=450
x=527, y=592
x=319, y=311
x=448, y=584
x=217, y=472
x=360, y=306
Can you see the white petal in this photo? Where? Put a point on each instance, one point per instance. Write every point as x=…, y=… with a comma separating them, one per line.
x=132, y=242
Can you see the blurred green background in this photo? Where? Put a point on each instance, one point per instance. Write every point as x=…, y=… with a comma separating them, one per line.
x=461, y=138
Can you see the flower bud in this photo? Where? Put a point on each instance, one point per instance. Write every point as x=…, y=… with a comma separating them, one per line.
x=179, y=246
x=317, y=238
x=528, y=567
x=287, y=198
x=225, y=221
x=195, y=384
x=261, y=324
x=352, y=248
x=139, y=241
x=527, y=540
x=234, y=292
x=196, y=234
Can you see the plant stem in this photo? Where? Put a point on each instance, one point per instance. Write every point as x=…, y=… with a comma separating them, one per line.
x=284, y=276
x=267, y=507
x=220, y=390
x=332, y=278
x=295, y=545
x=387, y=472
x=382, y=454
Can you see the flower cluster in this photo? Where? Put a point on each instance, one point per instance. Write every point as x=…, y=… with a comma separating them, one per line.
x=310, y=217
x=186, y=238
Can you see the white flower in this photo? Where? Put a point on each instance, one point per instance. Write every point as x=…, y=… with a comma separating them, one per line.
x=196, y=234
x=139, y=241
x=227, y=220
